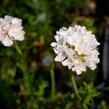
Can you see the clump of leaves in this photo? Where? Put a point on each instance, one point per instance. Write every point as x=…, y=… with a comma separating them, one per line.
x=102, y=105
x=87, y=93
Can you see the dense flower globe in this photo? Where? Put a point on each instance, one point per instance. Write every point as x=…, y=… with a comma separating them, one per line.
x=11, y=29
x=76, y=48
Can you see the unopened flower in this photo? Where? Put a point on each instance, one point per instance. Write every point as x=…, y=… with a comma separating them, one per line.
x=11, y=29
x=76, y=48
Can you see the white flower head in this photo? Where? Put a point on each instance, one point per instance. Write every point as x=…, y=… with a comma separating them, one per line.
x=76, y=48
x=11, y=29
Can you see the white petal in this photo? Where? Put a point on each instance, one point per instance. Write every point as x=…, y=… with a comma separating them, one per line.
x=16, y=21
x=7, y=41
x=79, y=68
x=68, y=63
x=93, y=67
x=1, y=37
x=78, y=72
x=16, y=33
x=58, y=49
x=56, y=38
x=62, y=31
x=60, y=57
x=69, y=52
x=20, y=36
x=65, y=63
x=7, y=18
x=1, y=20
x=53, y=44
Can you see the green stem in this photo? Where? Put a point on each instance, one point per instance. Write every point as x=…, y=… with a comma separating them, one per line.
x=75, y=87
x=18, y=49
x=26, y=76
x=52, y=83
x=27, y=83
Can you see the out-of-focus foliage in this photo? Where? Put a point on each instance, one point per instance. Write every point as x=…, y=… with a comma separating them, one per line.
x=25, y=81
x=87, y=92
x=102, y=105
x=87, y=22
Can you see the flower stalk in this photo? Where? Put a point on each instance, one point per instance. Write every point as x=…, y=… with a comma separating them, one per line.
x=75, y=87
x=18, y=49
x=52, y=74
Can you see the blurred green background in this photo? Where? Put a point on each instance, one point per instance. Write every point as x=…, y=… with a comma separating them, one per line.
x=25, y=80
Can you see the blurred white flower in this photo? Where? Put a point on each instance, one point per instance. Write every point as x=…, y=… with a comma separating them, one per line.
x=11, y=29
x=47, y=60
x=76, y=48
x=41, y=17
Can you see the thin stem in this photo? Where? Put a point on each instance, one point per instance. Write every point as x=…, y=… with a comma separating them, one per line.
x=75, y=87
x=26, y=77
x=27, y=83
x=52, y=83
x=18, y=49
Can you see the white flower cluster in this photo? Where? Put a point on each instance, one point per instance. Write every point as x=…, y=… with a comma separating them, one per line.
x=11, y=29
x=76, y=48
